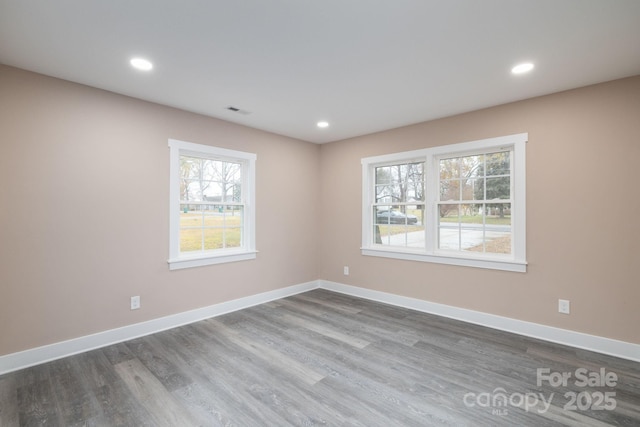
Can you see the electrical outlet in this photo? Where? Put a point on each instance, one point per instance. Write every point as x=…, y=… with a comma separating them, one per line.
x=346, y=270
x=135, y=303
x=564, y=306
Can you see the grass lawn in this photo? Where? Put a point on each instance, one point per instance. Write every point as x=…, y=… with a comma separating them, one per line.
x=386, y=230
x=477, y=219
x=213, y=230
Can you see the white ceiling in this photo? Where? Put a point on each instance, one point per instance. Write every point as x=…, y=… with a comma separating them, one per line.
x=362, y=65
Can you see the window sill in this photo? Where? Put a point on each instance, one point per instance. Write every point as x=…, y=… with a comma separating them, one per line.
x=408, y=255
x=202, y=260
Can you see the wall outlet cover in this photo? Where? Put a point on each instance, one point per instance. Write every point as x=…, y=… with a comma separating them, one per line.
x=564, y=306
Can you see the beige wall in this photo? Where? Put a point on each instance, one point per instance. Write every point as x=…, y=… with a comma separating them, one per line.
x=84, y=210
x=583, y=230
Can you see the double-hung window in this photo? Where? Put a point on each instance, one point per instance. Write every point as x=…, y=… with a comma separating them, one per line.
x=398, y=207
x=460, y=204
x=212, y=205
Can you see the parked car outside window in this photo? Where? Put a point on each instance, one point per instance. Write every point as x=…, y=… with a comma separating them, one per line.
x=395, y=217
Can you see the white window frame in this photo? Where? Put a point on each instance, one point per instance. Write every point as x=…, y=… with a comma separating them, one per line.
x=516, y=261
x=247, y=249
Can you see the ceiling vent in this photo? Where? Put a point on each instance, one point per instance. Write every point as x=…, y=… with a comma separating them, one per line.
x=238, y=110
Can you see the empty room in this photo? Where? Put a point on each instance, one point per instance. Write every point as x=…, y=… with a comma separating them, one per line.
x=340, y=213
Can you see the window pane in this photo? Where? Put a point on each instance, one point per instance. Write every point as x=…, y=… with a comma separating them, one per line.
x=219, y=238
x=498, y=164
x=233, y=237
x=399, y=227
x=213, y=216
x=448, y=213
x=190, y=216
x=470, y=215
x=213, y=238
x=381, y=220
x=449, y=168
x=471, y=166
x=234, y=193
x=197, y=215
x=398, y=193
x=419, y=212
x=498, y=188
x=498, y=213
x=449, y=190
x=209, y=227
x=448, y=227
x=449, y=237
x=383, y=194
x=233, y=216
x=213, y=192
x=497, y=233
x=190, y=240
x=400, y=183
x=473, y=189
x=191, y=222
x=192, y=190
x=234, y=172
x=210, y=180
x=415, y=226
x=472, y=226
x=381, y=214
x=383, y=175
x=377, y=238
x=484, y=227
x=497, y=243
x=475, y=227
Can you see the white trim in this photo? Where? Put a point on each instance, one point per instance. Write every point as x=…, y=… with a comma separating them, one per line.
x=35, y=356
x=218, y=258
x=214, y=152
x=611, y=347
x=485, y=262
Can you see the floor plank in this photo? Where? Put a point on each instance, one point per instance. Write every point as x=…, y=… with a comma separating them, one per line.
x=320, y=358
x=152, y=395
x=8, y=400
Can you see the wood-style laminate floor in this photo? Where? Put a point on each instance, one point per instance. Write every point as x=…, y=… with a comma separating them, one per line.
x=323, y=358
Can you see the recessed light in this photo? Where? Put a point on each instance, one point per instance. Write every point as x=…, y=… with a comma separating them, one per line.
x=323, y=124
x=141, y=64
x=522, y=68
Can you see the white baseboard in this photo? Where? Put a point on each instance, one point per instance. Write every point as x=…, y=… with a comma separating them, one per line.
x=35, y=356
x=622, y=349
x=38, y=355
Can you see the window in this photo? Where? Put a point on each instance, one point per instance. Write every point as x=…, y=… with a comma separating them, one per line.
x=461, y=204
x=212, y=205
x=398, y=209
